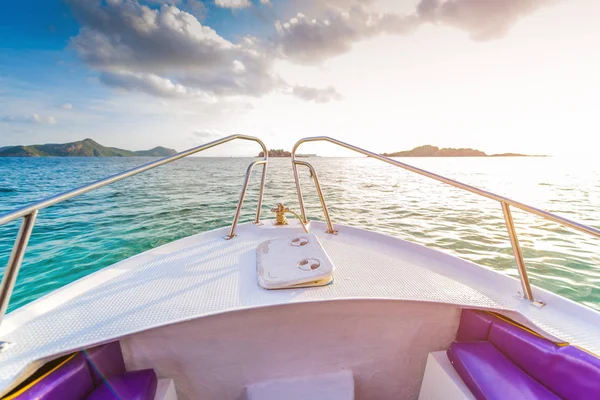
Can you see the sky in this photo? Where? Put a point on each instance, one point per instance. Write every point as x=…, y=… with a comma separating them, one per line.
x=387, y=75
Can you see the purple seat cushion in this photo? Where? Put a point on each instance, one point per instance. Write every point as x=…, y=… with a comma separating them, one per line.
x=474, y=325
x=71, y=380
x=583, y=372
x=105, y=361
x=134, y=385
x=490, y=375
x=568, y=371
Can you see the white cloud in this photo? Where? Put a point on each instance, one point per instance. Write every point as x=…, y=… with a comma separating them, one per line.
x=389, y=85
x=316, y=95
x=195, y=7
x=129, y=35
x=149, y=83
x=233, y=3
x=67, y=106
x=38, y=119
x=168, y=52
x=265, y=2
x=484, y=20
x=145, y=44
x=309, y=40
x=238, y=66
x=169, y=2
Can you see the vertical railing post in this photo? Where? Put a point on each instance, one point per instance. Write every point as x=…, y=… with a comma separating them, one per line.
x=514, y=241
x=14, y=262
x=322, y=199
x=238, y=210
x=261, y=193
x=313, y=173
x=299, y=191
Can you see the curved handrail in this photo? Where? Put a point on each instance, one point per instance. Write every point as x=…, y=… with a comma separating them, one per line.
x=313, y=173
x=4, y=218
x=243, y=195
x=29, y=212
x=504, y=201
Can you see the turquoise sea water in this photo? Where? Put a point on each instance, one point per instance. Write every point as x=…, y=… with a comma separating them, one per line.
x=83, y=235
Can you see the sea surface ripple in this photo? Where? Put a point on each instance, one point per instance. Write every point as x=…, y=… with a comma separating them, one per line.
x=83, y=235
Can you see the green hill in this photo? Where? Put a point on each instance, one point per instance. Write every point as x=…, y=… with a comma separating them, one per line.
x=434, y=151
x=82, y=148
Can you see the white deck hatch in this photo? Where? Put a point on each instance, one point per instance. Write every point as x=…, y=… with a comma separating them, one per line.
x=293, y=262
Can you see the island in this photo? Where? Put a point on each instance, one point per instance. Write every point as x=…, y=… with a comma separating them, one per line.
x=283, y=153
x=82, y=148
x=276, y=153
x=434, y=151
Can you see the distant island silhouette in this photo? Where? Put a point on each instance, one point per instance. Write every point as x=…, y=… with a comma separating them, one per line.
x=434, y=151
x=420, y=151
x=276, y=153
x=283, y=153
x=82, y=148
x=90, y=148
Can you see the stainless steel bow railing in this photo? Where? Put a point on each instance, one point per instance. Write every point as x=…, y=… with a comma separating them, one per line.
x=504, y=202
x=29, y=213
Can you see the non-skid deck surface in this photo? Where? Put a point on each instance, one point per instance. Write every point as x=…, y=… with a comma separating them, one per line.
x=204, y=274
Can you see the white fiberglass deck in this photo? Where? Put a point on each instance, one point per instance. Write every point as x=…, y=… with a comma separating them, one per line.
x=205, y=274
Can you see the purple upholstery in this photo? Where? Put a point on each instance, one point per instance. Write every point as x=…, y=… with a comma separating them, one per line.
x=487, y=346
x=97, y=373
x=134, y=385
x=530, y=352
x=568, y=371
x=490, y=375
x=70, y=381
x=105, y=361
x=474, y=326
x=583, y=372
